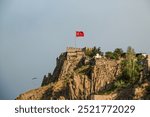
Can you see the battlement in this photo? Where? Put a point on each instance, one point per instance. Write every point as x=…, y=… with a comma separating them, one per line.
x=85, y=48
x=74, y=53
x=72, y=49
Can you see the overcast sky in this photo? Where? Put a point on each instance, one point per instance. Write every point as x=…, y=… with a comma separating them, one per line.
x=34, y=32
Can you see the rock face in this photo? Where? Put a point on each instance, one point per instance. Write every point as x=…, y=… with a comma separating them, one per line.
x=77, y=77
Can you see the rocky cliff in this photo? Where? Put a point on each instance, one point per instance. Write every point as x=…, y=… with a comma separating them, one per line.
x=78, y=76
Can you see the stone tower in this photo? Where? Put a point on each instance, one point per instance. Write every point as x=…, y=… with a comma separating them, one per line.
x=75, y=53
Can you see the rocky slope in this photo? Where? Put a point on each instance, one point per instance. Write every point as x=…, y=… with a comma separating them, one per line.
x=77, y=76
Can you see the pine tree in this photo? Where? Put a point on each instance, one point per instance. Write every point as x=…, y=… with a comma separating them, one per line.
x=130, y=67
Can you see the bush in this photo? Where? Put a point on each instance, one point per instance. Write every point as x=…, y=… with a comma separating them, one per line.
x=118, y=52
x=92, y=52
x=109, y=55
x=119, y=84
x=130, y=67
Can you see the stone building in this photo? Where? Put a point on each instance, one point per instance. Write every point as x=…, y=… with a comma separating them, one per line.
x=75, y=53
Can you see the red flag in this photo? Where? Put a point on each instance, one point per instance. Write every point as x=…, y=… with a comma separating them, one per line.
x=79, y=34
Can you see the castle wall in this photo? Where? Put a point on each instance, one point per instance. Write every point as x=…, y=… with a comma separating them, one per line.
x=71, y=49
x=148, y=62
x=74, y=53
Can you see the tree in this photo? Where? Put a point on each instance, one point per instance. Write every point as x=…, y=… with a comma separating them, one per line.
x=93, y=52
x=130, y=53
x=130, y=67
x=109, y=55
x=97, y=51
x=118, y=53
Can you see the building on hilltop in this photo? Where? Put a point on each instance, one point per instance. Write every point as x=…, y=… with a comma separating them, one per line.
x=74, y=53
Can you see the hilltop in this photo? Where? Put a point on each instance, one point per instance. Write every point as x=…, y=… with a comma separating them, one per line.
x=86, y=73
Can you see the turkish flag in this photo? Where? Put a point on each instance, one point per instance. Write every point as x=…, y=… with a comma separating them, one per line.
x=79, y=34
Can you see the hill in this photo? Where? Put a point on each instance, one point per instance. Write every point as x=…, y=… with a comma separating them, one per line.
x=85, y=74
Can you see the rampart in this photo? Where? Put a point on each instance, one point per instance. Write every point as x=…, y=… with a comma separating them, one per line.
x=75, y=53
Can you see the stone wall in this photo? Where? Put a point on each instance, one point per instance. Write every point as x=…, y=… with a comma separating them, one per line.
x=74, y=53
x=148, y=62
x=72, y=49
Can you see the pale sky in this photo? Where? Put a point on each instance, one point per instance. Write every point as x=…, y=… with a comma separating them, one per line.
x=34, y=32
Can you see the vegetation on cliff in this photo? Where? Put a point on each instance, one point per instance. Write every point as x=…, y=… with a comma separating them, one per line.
x=117, y=54
x=92, y=52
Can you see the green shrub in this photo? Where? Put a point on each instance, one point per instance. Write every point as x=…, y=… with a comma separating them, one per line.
x=120, y=84
x=130, y=67
x=118, y=52
x=92, y=52
x=109, y=55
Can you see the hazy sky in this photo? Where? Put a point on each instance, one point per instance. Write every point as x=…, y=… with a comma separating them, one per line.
x=34, y=32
